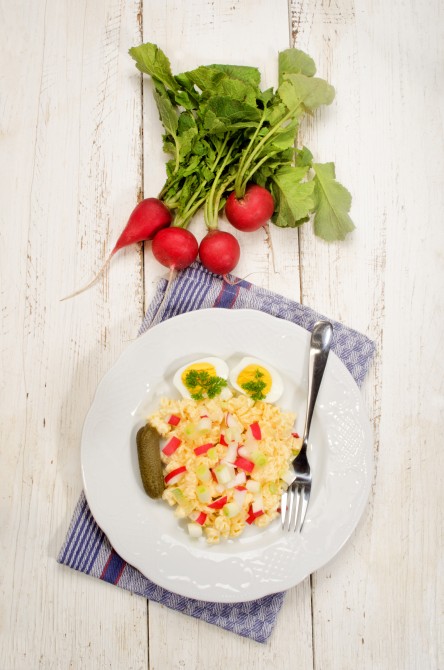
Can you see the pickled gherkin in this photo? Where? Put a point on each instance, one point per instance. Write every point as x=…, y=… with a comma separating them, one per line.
x=148, y=451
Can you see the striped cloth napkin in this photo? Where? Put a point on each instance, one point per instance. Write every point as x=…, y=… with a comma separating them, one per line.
x=87, y=549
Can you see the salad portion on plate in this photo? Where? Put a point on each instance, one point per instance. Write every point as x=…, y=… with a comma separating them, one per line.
x=225, y=448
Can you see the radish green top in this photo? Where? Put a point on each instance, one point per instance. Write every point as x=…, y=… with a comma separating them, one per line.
x=223, y=131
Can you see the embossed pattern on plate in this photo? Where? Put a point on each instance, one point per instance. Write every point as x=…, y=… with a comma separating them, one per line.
x=147, y=534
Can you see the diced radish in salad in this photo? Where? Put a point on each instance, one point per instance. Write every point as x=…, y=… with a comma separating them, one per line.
x=252, y=516
x=244, y=464
x=219, y=503
x=222, y=440
x=231, y=509
x=203, y=449
x=296, y=435
x=174, y=476
x=198, y=517
x=256, y=430
x=203, y=473
x=195, y=530
x=204, y=494
x=171, y=446
x=174, y=420
x=253, y=486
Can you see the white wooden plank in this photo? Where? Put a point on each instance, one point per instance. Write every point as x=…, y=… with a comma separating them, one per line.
x=70, y=172
x=376, y=605
x=192, y=34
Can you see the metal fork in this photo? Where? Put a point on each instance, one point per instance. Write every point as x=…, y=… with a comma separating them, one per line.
x=294, y=501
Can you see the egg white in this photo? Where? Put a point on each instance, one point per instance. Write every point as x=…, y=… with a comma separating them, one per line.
x=218, y=364
x=277, y=386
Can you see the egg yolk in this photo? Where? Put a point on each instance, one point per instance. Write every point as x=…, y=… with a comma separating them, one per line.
x=200, y=367
x=255, y=373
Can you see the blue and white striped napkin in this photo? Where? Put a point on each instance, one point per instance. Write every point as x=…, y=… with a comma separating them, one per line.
x=87, y=549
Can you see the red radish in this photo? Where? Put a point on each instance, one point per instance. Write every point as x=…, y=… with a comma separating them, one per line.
x=252, y=516
x=203, y=449
x=174, y=476
x=174, y=420
x=198, y=517
x=296, y=435
x=176, y=248
x=222, y=440
x=252, y=211
x=244, y=464
x=145, y=221
x=256, y=430
x=219, y=503
x=171, y=446
x=241, y=488
x=219, y=252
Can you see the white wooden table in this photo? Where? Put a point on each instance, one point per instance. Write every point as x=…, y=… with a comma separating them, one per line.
x=80, y=143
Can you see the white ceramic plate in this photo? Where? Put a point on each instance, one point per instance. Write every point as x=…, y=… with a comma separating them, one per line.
x=147, y=534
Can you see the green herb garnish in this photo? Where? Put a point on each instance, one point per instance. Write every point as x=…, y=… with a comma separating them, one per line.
x=203, y=385
x=255, y=387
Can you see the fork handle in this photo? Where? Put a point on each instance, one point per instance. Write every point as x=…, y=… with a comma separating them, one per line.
x=320, y=343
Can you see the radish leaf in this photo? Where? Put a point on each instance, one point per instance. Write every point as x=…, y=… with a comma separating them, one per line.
x=295, y=197
x=294, y=61
x=151, y=60
x=332, y=204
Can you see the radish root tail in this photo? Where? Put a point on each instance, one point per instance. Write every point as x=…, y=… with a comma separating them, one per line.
x=238, y=281
x=93, y=280
x=159, y=311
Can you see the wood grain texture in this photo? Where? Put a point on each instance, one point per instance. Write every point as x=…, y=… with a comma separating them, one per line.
x=80, y=141
x=70, y=170
x=379, y=603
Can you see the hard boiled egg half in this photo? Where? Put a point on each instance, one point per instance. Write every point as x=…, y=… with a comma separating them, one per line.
x=257, y=379
x=215, y=367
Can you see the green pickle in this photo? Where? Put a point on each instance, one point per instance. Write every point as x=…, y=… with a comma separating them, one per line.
x=148, y=451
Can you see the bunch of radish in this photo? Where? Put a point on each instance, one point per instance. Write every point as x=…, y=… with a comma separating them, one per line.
x=233, y=148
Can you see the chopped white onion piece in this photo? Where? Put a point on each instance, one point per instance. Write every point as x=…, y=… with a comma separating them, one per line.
x=239, y=497
x=244, y=452
x=240, y=478
x=258, y=503
x=204, y=423
x=253, y=486
x=288, y=477
x=231, y=453
x=195, y=530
